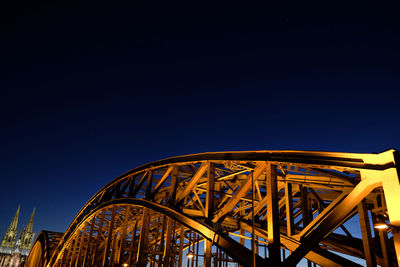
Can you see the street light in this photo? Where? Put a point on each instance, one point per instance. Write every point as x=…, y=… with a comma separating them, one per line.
x=381, y=222
x=190, y=255
x=381, y=226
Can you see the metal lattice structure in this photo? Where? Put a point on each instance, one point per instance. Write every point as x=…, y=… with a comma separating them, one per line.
x=254, y=208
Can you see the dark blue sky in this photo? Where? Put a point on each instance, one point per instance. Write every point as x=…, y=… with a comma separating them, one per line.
x=90, y=91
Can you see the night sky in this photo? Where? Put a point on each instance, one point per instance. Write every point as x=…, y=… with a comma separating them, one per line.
x=90, y=91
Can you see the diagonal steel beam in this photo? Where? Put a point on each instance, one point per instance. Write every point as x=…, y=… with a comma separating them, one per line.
x=161, y=182
x=323, y=205
x=321, y=216
x=193, y=182
x=138, y=185
x=262, y=204
x=242, y=191
x=317, y=255
x=149, y=183
x=333, y=219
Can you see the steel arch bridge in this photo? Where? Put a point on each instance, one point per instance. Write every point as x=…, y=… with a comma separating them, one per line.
x=253, y=208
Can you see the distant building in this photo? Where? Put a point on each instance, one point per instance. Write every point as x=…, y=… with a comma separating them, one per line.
x=13, y=250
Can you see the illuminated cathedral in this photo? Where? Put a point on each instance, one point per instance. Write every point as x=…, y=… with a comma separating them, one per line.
x=13, y=248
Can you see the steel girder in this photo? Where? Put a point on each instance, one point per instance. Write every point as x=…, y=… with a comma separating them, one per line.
x=44, y=246
x=280, y=201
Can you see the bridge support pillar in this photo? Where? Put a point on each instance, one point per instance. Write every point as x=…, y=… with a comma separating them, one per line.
x=143, y=237
x=289, y=208
x=167, y=246
x=368, y=243
x=106, y=261
x=209, y=210
x=89, y=241
x=274, y=246
x=396, y=240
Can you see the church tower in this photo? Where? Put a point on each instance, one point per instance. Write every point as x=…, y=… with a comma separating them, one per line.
x=26, y=237
x=11, y=233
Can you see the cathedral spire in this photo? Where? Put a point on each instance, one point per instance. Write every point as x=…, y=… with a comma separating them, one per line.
x=26, y=237
x=11, y=233
x=29, y=227
x=14, y=223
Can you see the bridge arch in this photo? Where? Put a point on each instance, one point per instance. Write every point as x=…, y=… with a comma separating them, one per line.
x=278, y=200
x=138, y=214
x=42, y=249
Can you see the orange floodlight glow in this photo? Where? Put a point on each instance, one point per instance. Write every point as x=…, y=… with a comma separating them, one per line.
x=381, y=226
x=190, y=255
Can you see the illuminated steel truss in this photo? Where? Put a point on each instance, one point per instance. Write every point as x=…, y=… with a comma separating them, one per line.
x=254, y=208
